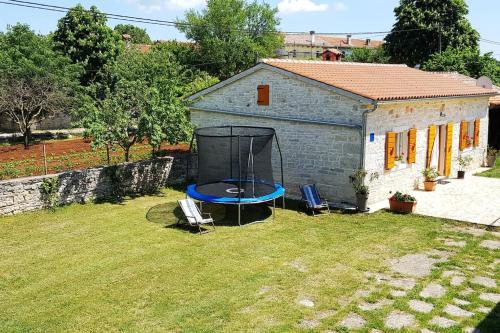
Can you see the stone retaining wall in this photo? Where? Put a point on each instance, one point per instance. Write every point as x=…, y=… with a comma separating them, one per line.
x=25, y=194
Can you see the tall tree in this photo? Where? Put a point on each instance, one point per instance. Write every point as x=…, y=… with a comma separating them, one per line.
x=86, y=39
x=467, y=62
x=35, y=81
x=424, y=27
x=137, y=35
x=232, y=34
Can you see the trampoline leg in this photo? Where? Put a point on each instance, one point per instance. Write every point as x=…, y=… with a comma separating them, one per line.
x=274, y=209
x=239, y=215
x=283, y=202
x=201, y=206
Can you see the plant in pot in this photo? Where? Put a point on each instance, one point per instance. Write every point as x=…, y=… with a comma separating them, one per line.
x=463, y=163
x=491, y=157
x=362, y=190
x=402, y=203
x=430, y=176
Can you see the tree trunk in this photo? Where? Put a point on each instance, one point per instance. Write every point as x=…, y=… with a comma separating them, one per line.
x=27, y=138
x=127, y=153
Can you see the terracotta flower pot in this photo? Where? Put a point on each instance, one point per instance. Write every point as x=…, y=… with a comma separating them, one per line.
x=402, y=207
x=429, y=185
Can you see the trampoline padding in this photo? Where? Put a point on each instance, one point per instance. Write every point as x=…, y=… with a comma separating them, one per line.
x=226, y=192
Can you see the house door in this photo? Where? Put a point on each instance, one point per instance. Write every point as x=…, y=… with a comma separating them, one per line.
x=439, y=148
x=442, y=149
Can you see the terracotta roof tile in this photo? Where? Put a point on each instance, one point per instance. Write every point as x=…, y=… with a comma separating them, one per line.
x=380, y=82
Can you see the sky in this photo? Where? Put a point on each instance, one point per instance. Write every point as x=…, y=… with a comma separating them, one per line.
x=296, y=15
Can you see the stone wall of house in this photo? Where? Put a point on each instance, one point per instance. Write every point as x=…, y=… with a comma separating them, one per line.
x=401, y=116
x=25, y=194
x=312, y=153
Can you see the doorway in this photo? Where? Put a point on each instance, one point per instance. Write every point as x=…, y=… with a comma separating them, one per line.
x=438, y=153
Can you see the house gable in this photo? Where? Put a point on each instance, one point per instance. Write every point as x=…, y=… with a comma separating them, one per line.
x=291, y=97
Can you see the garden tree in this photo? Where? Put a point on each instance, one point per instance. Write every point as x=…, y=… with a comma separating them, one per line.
x=467, y=62
x=35, y=81
x=144, y=98
x=86, y=39
x=366, y=55
x=423, y=25
x=232, y=34
x=137, y=35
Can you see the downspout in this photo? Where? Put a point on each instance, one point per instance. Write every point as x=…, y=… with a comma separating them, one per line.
x=362, y=133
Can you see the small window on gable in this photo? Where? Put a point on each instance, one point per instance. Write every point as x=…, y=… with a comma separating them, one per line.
x=263, y=95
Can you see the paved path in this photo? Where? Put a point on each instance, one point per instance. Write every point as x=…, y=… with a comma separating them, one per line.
x=473, y=199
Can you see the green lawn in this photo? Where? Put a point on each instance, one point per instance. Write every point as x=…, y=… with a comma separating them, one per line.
x=494, y=172
x=125, y=267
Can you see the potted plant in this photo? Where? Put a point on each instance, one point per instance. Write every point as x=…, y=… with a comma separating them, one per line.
x=430, y=176
x=491, y=157
x=362, y=190
x=402, y=203
x=463, y=163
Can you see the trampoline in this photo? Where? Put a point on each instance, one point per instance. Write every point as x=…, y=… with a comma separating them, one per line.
x=235, y=166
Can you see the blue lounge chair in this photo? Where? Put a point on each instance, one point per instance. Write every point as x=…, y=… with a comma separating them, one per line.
x=312, y=199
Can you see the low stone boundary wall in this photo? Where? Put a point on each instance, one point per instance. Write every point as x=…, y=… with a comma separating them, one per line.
x=103, y=183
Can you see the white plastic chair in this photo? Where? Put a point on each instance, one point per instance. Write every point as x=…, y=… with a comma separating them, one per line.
x=193, y=216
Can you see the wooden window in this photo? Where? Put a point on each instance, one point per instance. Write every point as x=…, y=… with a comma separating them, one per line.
x=430, y=144
x=448, y=150
x=477, y=125
x=468, y=134
x=412, y=145
x=263, y=95
x=390, y=150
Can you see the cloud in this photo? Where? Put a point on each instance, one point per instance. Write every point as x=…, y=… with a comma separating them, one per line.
x=339, y=7
x=297, y=6
x=149, y=6
x=184, y=4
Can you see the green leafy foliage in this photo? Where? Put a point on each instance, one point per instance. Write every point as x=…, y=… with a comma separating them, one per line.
x=143, y=97
x=467, y=62
x=86, y=39
x=366, y=55
x=419, y=25
x=357, y=179
x=232, y=34
x=137, y=35
x=430, y=174
x=35, y=81
x=49, y=188
x=402, y=197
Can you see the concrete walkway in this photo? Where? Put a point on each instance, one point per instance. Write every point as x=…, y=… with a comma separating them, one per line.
x=473, y=199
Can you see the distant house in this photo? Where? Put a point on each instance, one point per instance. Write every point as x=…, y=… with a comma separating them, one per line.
x=335, y=117
x=331, y=55
x=312, y=45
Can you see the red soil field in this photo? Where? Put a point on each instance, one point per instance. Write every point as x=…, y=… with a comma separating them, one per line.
x=65, y=155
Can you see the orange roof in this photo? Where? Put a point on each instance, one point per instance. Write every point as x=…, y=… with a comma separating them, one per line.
x=494, y=101
x=379, y=81
x=329, y=41
x=143, y=48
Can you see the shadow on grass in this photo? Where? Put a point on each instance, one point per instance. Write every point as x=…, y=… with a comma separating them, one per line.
x=168, y=214
x=492, y=321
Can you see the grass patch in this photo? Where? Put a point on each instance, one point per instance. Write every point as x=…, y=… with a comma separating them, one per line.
x=493, y=172
x=126, y=267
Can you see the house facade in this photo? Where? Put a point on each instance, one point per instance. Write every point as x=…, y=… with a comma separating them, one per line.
x=332, y=118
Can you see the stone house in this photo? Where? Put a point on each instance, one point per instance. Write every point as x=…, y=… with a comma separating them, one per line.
x=334, y=117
